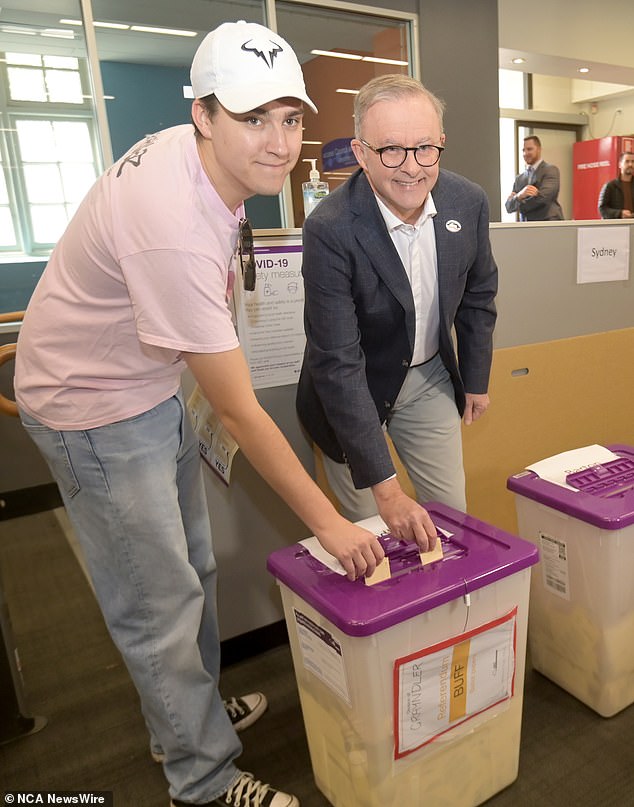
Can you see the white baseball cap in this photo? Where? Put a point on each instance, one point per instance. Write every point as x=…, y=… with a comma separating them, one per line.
x=246, y=65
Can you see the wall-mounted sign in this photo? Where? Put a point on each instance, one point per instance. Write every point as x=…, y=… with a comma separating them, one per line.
x=270, y=319
x=338, y=154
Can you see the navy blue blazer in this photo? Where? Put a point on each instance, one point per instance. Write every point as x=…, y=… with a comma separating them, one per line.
x=360, y=320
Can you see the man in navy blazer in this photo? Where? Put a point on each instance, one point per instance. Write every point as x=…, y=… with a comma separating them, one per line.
x=395, y=261
x=535, y=190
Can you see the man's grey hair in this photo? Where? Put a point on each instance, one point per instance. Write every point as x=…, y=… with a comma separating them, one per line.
x=391, y=87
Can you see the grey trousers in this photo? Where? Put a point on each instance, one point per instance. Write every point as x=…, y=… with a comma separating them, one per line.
x=425, y=428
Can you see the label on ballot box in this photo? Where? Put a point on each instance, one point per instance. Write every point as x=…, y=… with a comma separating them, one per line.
x=322, y=654
x=440, y=687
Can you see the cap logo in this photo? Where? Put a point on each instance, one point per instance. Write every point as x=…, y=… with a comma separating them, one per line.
x=263, y=48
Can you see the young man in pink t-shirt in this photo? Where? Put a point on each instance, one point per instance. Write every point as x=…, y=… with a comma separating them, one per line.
x=136, y=290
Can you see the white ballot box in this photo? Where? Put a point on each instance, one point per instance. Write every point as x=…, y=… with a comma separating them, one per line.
x=579, y=511
x=411, y=688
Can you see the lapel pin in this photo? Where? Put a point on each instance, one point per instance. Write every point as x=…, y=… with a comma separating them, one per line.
x=453, y=226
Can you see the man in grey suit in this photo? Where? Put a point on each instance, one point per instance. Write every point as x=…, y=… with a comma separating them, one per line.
x=390, y=269
x=535, y=190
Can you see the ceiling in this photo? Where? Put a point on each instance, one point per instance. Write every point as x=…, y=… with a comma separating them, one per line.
x=557, y=37
x=547, y=48
x=549, y=65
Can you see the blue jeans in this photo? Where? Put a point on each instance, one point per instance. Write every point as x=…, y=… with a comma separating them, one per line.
x=425, y=428
x=134, y=494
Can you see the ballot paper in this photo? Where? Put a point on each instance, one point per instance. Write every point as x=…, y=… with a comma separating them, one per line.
x=384, y=570
x=376, y=525
x=556, y=469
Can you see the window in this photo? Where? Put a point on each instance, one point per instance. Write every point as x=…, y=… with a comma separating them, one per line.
x=35, y=77
x=47, y=135
x=8, y=239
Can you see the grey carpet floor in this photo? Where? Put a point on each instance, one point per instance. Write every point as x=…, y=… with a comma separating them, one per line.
x=95, y=738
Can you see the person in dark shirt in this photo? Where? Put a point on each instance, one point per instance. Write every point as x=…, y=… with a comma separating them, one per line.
x=615, y=199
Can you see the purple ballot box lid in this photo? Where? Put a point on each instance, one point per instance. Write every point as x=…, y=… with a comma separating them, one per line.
x=603, y=494
x=474, y=555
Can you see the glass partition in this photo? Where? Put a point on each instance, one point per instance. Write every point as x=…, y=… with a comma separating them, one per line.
x=145, y=52
x=145, y=63
x=339, y=51
x=50, y=150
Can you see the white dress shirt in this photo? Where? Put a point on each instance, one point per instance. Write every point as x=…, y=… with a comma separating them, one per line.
x=416, y=246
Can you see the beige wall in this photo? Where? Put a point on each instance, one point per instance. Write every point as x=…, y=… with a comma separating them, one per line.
x=577, y=392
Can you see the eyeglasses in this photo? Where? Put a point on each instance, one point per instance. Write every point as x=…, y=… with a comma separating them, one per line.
x=395, y=156
x=246, y=253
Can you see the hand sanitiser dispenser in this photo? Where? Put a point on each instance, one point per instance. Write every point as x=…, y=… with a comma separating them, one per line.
x=314, y=190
